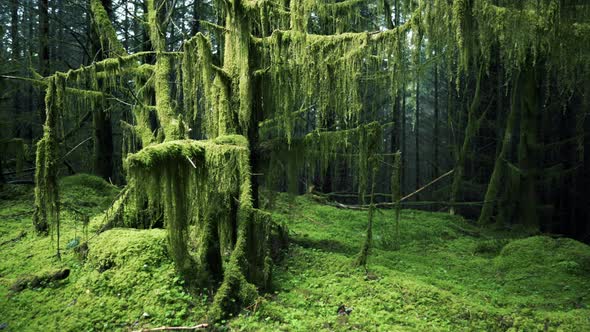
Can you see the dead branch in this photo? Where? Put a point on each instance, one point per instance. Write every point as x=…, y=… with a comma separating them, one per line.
x=176, y=328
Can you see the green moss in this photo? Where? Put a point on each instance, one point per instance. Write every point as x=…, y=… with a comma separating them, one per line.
x=128, y=248
x=107, y=34
x=191, y=180
x=76, y=189
x=438, y=280
x=530, y=255
x=46, y=214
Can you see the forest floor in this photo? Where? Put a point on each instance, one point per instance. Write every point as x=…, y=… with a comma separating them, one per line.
x=447, y=275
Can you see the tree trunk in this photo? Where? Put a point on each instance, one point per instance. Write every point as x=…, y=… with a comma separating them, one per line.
x=528, y=149
x=103, y=131
x=470, y=131
x=43, y=49
x=403, y=141
x=417, y=136
x=196, y=24
x=435, y=163
x=15, y=51
x=498, y=174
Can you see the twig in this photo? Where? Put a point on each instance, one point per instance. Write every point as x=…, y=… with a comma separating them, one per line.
x=428, y=185
x=362, y=207
x=190, y=161
x=176, y=328
x=77, y=146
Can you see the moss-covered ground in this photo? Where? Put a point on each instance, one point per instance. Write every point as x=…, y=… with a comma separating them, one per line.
x=446, y=276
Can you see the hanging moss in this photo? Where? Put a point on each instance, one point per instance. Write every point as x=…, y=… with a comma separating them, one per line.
x=197, y=183
x=46, y=215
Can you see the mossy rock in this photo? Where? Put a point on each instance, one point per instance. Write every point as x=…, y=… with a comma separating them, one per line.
x=129, y=249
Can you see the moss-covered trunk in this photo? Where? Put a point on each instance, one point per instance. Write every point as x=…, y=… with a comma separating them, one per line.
x=212, y=239
x=499, y=172
x=528, y=148
x=471, y=129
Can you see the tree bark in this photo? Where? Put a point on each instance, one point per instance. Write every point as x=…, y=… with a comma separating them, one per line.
x=43, y=49
x=528, y=149
x=498, y=174
x=470, y=131
x=435, y=164
x=103, y=131
x=417, y=135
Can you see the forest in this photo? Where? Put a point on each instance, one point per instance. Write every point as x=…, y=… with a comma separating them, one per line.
x=294, y=165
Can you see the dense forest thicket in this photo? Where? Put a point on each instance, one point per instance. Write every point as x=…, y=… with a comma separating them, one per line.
x=201, y=111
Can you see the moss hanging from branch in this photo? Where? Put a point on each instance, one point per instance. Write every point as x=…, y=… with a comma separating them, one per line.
x=46, y=215
x=191, y=178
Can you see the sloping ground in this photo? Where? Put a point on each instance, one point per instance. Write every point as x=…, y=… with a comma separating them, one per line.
x=447, y=275
x=127, y=282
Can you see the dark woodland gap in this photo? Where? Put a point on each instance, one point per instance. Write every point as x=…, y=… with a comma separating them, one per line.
x=203, y=111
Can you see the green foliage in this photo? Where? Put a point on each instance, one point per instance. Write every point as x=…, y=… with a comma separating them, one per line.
x=433, y=282
x=77, y=188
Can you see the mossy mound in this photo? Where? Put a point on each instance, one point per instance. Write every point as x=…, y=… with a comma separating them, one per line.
x=129, y=273
x=562, y=255
x=547, y=271
x=129, y=249
x=85, y=193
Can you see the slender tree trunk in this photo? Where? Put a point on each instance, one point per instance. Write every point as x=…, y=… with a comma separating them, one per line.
x=197, y=16
x=498, y=173
x=103, y=131
x=470, y=131
x=15, y=51
x=403, y=140
x=14, y=29
x=417, y=136
x=396, y=132
x=364, y=254
x=126, y=28
x=43, y=49
x=528, y=149
x=435, y=163
x=28, y=50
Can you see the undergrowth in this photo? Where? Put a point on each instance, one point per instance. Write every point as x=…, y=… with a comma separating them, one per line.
x=447, y=275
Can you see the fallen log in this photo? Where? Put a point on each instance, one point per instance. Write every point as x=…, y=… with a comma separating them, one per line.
x=176, y=328
x=36, y=281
